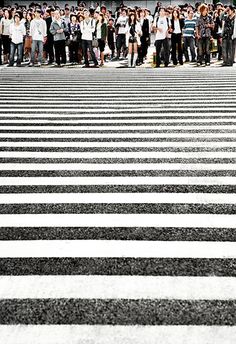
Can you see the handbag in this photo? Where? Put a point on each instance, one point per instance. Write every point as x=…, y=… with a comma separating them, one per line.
x=94, y=42
x=28, y=43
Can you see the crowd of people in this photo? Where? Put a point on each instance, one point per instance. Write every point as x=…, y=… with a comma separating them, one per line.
x=80, y=35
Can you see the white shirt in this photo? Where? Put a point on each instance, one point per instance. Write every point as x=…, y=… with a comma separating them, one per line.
x=17, y=32
x=161, y=23
x=38, y=29
x=99, y=31
x=122, y=21
x=87, y=29
x=176, y=26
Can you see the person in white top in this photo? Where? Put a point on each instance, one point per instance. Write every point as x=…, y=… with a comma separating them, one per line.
x=121, y=33
x=17, y=32
x=38, y=32
x=5, y=23
x=161, y=27
x=87, y=27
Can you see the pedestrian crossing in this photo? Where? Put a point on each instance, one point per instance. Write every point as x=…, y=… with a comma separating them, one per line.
x=117, y=206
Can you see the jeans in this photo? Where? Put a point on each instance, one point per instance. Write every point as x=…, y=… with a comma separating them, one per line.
x=19, y=48
x=87, y=45
x=204, y=49
x=159, y=44
x=228, y=51
x=37, y=45
x=189, y=42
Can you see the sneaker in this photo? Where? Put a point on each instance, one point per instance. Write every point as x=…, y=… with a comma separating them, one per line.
x=208, y=64
x=31, y=64
x=39, y=64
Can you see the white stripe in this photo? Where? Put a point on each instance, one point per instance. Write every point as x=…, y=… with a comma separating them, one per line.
x=139, y=115
x=119, y=135
x=130, y=121
x=121, y=144
x=122, y=155
x=117, y=180
x=141, y=198
x=119, y=220
x=127, y=127
x=110, y=334
x=108, y=109
x=116, y=167
x=117, y=248
x=118, y=287
x=186, y=102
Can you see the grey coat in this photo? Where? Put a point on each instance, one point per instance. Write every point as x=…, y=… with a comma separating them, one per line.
x=54, y=27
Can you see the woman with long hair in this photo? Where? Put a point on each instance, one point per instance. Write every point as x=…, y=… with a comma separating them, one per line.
x=101, y=34
x=133, y=34
x=177, y=26
x=144, y=22
x=5, y=32
x=28, y=40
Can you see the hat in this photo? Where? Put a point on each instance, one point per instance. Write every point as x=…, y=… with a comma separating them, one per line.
x=38, y=10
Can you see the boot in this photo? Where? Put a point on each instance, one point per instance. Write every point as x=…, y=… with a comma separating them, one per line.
x=129, y=60
x=134, y=60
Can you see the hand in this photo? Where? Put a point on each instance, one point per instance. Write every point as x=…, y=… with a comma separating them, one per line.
x=160, y=29
x=59, y=30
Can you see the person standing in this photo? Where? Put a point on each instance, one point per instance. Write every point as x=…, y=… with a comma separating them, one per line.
x=134, y=32
x=48, y=46
x=17, y=32
x=87, y=27
x=74, y=30
x=38, y=32
x=161, y=26
x=121, y=33
x=203, y=33
x=227, y=37
x=101, y=34
x=59, y=30
x=189, y=36
x=177, y=25
x=5, y=33
x=144, y=23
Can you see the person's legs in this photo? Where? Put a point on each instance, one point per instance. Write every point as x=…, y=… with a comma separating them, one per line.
x=186, y=44
x=85, y=52
x=130, y=52
x=173, y=44
x=89, y=44
x=166, y=51
x=135, y=47
x=192, y=48
x=33, y=49
x=19, y=53
x=40, y=51
x=158, y=45
x=207, y=51
x=179, y=47
x=57, y=52
x=12, y=54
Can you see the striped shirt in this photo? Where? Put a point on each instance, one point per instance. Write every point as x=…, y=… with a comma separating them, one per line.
x=189, y=27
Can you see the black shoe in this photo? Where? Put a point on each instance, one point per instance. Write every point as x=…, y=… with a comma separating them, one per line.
x=10, y=65
x=85, y=66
